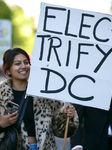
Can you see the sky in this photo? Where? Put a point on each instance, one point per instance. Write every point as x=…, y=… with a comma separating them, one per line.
x=32, y=7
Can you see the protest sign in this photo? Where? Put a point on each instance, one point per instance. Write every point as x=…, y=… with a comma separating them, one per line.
x=5, y=36
x=72, y=56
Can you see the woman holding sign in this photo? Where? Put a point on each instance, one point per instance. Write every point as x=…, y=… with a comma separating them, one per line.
x=43, y=119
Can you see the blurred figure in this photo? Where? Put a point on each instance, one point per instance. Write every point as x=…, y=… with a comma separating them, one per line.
x=92, y=133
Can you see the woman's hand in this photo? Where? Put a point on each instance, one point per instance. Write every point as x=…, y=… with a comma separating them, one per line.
x=7, y=120
x=69, y=111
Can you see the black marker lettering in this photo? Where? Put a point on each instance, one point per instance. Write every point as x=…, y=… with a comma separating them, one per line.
x=79, y=52
x=77, y=97
x=103, y=59
x=51, y=16
x=84, y=25
x=54, y=47
x=42, y=44
x=67, y=26
x=49, y=71
x=68, y=55
x=95, y=29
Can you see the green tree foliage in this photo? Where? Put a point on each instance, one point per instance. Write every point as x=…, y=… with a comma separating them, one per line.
x=5, y=11
x=23, y=27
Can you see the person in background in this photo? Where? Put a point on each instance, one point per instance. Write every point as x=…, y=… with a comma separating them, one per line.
x=43, y=117
x=110, y=138
x=92, y=133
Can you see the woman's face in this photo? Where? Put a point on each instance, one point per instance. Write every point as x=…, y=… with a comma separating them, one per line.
x=20, y=68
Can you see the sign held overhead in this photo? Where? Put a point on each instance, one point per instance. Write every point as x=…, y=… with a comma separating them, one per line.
x=72, y=56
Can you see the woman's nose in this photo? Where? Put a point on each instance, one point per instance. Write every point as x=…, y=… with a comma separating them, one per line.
x=23, y=65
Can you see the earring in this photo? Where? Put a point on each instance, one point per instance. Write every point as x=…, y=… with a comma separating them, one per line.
x=9, y=74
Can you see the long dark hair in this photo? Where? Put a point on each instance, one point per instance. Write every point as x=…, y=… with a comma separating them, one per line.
x=9, y=56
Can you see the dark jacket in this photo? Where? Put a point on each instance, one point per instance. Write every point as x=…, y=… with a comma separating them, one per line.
x=92, y=132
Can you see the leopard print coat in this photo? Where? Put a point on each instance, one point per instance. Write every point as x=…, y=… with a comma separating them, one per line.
x=49, y=120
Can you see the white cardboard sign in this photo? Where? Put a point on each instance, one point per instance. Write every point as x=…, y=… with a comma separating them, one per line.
x=72, y=56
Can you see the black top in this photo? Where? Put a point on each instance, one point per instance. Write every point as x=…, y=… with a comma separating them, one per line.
x=28, y=116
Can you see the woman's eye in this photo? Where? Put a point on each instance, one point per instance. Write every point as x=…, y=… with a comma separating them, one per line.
x=17, y=64
x=26, y=62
